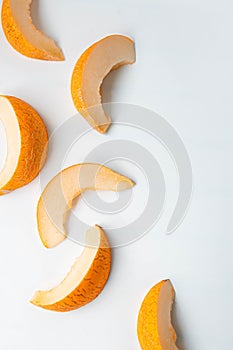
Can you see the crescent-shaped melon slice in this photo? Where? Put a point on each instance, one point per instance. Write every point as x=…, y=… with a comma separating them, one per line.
x=90, y=70
x=23, y=36
x=155, y=331
x=27, y=141
x=58, y=196
x=86, y=279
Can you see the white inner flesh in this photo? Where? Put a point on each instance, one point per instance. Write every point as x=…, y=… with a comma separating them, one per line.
x=3, y=146
x=165, y=328
x=76, y=274
x=21, y=13
x=108, y=53
x=11, y=126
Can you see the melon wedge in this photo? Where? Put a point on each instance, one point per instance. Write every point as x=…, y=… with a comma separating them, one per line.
x=58, y=196
x=23, y=36
x=27, y=141
x=155, y=331
x=90, y=70
x=86, y=279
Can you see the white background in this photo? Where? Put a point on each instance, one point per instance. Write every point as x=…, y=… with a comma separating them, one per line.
x=184, y=71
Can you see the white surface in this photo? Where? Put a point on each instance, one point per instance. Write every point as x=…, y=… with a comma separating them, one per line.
x=184, y=71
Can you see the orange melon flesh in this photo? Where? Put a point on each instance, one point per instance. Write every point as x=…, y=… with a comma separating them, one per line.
x=155, y=331
x=58, y=196
x=86, y=279
x=27, y=141
x=90, y=70
x=23, y=35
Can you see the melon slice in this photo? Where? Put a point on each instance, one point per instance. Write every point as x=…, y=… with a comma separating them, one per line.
x=27, y=141
x=90, y=70
x=58, y=196
x=155, y=331
x=86, y=279
x=23, y=35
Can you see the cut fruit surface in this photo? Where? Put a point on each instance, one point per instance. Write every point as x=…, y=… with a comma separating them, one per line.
x=155, y=331
x=90, y=70
x=58, y=196
x=86, y=279
x=27, y=142
x=23, y=36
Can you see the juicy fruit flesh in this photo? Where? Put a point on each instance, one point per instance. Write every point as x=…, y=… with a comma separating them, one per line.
x=165, y=329
x=109, y=53
x=11, y=126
